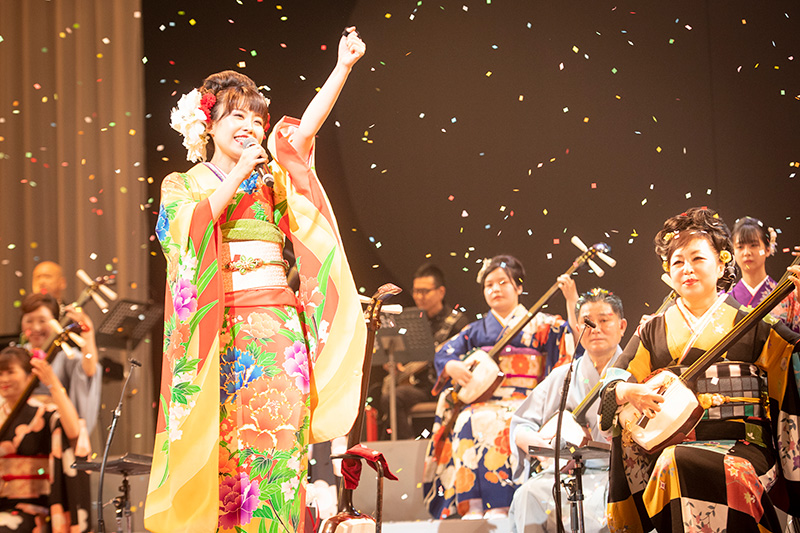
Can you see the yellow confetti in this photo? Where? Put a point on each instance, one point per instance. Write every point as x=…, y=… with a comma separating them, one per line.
x=489, y=73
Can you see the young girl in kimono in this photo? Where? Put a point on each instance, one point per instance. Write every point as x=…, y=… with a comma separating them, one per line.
x=752, y=244
x=726, y=476
x=32, y=446
x=473, y=475
x=252, y=372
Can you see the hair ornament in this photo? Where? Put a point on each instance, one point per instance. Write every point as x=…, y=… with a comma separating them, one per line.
x=484, y=268
x=773, y=240
x=207, y=101
x=725, y=256
x=669, y=235
x=665, y=266
x=190, y=118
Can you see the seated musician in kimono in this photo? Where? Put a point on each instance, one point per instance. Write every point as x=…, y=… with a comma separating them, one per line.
x=468, y=470
x=733, y=467
x=80, y=374
x=532, y=509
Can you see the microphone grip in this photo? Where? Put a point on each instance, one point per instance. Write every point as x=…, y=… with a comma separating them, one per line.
x=589, y=322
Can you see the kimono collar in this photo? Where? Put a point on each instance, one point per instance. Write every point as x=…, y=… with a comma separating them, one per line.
x=754, y=290
x=513, y=317
x=697, y=325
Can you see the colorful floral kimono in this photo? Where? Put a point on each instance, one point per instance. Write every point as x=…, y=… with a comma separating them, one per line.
x=788, y=310
x=252, y=373
x=476, y=462
x=40, y=490
x=742, y=459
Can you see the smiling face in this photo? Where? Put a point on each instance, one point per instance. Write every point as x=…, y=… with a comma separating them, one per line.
x=229, y=133
x=694, y=270
x=36, y=326
x=602, y=340
x=13, y=380
x=500, y=292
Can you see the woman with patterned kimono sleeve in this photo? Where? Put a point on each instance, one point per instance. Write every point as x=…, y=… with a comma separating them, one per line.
x=752, y=245
x=36, y=444
x=741, y=461
x=472, y=475
x=252, y=372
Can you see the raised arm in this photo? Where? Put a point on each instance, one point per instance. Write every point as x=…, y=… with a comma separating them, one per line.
x=67, y=411
x=351, y=48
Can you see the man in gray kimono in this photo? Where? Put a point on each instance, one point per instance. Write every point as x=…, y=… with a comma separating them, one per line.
x=533, y=507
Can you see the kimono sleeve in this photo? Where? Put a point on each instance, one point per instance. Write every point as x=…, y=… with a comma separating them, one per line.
x=454, y=349
x=185, y=452
x=328, y=303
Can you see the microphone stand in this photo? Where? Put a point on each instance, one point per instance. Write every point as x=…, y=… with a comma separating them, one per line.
x=101, y=526
x=561, y=408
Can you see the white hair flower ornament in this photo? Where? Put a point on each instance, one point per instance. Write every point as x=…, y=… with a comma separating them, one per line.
x=190, y=119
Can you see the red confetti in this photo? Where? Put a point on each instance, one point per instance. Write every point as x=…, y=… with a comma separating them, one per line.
x=556, y=241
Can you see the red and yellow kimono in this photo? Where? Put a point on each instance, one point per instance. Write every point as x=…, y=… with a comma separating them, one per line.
x=251, y=372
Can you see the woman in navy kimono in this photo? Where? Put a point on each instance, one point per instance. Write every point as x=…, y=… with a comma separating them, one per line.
x=472, y=475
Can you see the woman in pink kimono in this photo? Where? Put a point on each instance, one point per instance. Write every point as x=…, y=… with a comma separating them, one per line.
x=252, y=372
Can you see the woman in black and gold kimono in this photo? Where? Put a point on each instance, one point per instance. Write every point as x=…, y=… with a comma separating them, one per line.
x=742, y=460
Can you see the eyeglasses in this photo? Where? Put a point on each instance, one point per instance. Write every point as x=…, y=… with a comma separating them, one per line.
x=422, y=292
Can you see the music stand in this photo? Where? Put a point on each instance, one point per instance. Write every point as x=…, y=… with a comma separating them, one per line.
x=593, y=450
x=127, y=323
x=130, y=464
x=401, y=339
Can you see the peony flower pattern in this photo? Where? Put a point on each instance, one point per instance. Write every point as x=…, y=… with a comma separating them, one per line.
x=184, y=299
x=270, y=413
x=238, y=498
x=237, y=368
x=296, y=365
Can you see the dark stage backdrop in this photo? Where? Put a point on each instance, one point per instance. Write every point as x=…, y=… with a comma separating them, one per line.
x=474, y=128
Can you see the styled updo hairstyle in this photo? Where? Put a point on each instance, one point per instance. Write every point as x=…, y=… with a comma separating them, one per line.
x=234, y=90
x=698, y=222
x=749, y=230
x=510, y=265
x=14, y=355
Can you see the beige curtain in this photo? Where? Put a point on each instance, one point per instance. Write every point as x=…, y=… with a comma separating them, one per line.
x=71, y=145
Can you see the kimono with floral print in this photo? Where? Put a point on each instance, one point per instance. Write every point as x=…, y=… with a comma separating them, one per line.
x=733, y=472
x=250, y=376
x=476, y=463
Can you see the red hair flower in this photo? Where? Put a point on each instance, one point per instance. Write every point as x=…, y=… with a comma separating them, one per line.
x=206, y=103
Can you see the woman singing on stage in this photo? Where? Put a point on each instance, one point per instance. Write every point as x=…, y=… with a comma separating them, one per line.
x=742, y=459
x=252, y=372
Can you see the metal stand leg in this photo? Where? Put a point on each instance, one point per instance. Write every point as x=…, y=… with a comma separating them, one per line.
x=575, y=489
x=122, y=506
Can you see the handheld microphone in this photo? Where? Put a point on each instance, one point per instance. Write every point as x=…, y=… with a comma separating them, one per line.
x=589, y=323
x=261, y=168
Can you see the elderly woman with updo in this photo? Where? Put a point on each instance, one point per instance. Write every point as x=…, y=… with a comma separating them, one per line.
x=741, y=460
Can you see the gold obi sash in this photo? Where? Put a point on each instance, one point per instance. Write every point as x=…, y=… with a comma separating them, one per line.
x=252, y=256
x=24, y=476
